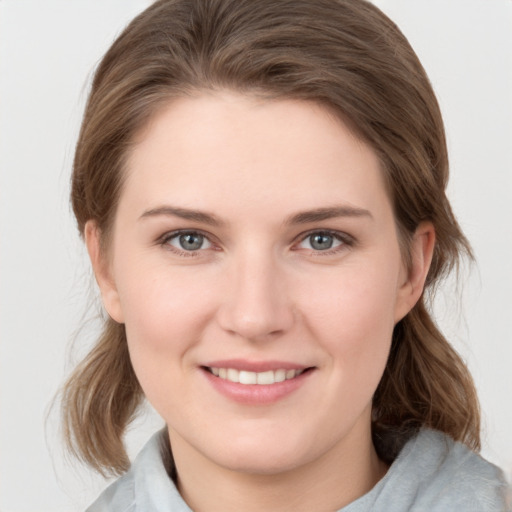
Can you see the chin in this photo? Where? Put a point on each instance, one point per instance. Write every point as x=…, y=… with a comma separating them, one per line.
x=263, y=458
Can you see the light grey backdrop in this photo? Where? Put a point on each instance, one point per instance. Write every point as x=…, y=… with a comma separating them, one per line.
x=47, y=50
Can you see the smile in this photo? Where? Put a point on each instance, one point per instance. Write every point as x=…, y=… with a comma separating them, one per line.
x=262, y=378
x=256, y=383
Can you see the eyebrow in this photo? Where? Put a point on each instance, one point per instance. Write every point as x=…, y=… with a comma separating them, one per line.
x=306, y=217
x=184, y=213
x=332, y=212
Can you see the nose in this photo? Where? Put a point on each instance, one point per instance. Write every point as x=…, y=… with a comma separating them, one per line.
x=256, y=304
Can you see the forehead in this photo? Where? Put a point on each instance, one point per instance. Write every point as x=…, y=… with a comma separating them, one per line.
x=227, y=150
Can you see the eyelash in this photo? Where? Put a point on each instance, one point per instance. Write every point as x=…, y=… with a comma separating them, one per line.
x=347, y=241
x=167, y=237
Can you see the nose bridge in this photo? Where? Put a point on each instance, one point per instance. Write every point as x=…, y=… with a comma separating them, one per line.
x=257, y=303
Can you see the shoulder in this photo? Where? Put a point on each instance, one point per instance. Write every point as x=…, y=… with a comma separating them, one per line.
x=146, y=487
x=433, y=473
x=117, y=497
x=438, y=474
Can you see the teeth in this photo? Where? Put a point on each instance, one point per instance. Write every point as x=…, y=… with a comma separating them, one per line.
x=262, y=378
x=233, y=375
x=247, y=377
x=266, y=377
x=280, y=375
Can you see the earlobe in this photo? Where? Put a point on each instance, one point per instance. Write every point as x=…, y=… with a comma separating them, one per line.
x=421, y=251
x=102, y=271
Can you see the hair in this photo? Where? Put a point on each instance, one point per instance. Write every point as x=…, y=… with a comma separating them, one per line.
x=343, y=54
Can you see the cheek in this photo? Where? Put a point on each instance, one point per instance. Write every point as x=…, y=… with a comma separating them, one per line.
x=165, y=314
x=352, y=315
x=161, y=306
x=360, y=298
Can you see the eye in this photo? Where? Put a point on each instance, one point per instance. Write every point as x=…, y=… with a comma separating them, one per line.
x=324, y=241
x=188, y=241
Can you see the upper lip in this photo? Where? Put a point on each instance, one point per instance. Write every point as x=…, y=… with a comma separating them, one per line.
x=255, y=366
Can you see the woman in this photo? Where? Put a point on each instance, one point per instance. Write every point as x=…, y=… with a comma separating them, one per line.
x=261, y=189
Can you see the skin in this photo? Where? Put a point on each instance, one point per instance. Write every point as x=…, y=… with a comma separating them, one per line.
x=258, y=290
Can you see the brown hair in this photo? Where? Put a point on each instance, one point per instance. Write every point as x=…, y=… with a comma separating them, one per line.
x=344, y=54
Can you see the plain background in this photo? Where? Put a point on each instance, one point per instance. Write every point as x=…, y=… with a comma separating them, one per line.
x=47, y=52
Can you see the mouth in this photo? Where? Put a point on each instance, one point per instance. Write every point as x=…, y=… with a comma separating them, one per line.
x=264, y=378
x=256, y=383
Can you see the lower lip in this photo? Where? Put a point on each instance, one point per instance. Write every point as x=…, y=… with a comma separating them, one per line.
x=256, y=394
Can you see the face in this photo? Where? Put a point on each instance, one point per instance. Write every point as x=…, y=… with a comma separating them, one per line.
x=255, y=263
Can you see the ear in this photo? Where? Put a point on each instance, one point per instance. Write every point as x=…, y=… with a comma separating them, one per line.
x=414, y=277
x=102, y=271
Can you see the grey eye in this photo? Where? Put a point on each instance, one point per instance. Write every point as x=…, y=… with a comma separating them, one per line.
x=321, y=241
x=190, y=241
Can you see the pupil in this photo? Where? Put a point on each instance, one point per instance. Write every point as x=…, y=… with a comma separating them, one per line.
x=191, y=242
x=321, y=241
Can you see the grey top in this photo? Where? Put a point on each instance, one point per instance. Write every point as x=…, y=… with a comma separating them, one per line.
x=432, y=473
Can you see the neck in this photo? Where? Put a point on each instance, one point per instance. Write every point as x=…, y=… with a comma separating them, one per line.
x=330, y=482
